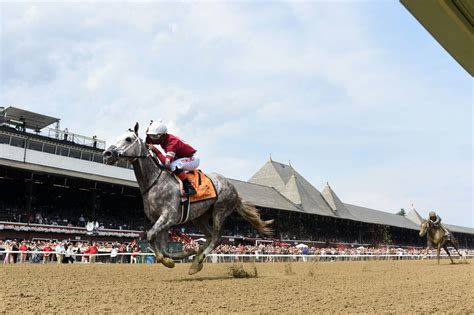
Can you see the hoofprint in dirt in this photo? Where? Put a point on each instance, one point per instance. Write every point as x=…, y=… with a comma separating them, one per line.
x=388, y=286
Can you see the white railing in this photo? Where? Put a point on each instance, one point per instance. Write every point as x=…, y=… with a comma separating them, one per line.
x=57, y=134
x=231, y=258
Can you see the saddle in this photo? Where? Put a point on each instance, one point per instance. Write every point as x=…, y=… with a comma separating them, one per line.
x=204, y=186
x=205, y=190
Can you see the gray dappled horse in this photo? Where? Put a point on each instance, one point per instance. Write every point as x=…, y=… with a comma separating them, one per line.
x=162, y=197
x=437, y=239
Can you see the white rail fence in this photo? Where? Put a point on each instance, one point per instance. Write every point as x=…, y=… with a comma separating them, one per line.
x=221, y=258
x=231, y=258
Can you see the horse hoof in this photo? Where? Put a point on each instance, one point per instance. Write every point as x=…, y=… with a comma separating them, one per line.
x=195, y=268
x=168, y=262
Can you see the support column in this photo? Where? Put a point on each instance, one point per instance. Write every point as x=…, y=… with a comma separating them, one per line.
x=28, y=196
x=94, y=193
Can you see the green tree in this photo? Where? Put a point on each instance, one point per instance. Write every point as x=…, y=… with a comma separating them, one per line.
x=382, y=235
x=402, y=212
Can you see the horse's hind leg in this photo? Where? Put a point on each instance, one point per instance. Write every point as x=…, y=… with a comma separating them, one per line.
x=218, y=217
x=456, y=248
x=449, y=255
x=202, y=223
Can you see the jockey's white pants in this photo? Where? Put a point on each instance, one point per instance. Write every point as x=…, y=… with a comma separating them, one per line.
x=186, y=164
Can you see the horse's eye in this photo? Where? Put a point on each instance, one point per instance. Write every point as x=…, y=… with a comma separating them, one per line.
x=128, y=139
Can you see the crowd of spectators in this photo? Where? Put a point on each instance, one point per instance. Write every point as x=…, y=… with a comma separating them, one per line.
x=287, y=227
x=43, y=251
x=43, y=217
x=272, y=249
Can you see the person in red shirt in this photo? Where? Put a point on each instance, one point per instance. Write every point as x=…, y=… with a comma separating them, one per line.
x=92, y=251
x=47, y=256
x=135, y=258
x=179, y=156
x=23, y=248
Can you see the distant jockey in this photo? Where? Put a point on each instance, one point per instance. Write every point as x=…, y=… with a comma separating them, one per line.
x=179, y=156
x=436, y=220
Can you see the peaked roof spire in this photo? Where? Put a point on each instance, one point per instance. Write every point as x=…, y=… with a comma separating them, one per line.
x=414, y=216
x=270, y=158
x=334, y=202
x=293, y=186
x=292, y=191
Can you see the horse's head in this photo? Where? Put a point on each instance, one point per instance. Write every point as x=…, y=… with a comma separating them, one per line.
x=424, y=227
x=127, y=146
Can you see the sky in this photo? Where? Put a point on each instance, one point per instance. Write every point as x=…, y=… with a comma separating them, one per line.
x=354, y=93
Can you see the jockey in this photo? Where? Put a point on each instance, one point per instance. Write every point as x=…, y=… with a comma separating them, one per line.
x=436, y=220
x=179, y=156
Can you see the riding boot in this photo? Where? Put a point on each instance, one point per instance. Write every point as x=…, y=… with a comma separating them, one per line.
x=188, y=188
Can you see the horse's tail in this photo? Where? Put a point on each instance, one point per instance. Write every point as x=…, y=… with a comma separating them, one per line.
x=249, y=212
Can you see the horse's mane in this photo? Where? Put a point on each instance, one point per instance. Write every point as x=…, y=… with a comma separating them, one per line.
x=154, y=159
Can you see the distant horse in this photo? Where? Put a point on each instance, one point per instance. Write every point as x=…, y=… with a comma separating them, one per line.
x=161, y=194
x=436, y=238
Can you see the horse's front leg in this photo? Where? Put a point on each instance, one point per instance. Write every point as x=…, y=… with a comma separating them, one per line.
x=438, y=250
x=162, y=224
x=426, y=251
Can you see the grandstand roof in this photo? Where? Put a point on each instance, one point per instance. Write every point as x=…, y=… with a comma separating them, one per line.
x=460, y=229
x=293, y=186
x=415, y=217
x=30, y=120
x=297, y=190
x=263, y=196
x=379, y=217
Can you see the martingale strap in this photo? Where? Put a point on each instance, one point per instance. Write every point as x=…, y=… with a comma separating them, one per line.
x=184, y=205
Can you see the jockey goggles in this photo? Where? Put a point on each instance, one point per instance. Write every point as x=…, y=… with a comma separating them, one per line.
x=155, y=137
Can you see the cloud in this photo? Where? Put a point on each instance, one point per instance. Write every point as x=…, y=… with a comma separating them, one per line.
x=241, y=80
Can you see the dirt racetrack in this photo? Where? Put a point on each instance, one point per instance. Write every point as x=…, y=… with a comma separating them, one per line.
x=385, y=286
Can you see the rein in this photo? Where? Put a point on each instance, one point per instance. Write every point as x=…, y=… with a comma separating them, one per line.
x=135, y=157
x=153, y=183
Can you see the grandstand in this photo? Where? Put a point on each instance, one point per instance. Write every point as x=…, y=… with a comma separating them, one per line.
x=52, y=182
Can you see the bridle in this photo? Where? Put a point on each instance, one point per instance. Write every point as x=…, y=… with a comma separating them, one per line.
x=428, y=227
x=134, y=157
x=121, y=154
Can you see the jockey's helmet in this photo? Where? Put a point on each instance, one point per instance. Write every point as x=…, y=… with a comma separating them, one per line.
x=432, y=214
x=157, y=128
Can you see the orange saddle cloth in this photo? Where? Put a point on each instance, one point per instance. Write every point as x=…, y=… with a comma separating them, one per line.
x=204, y=187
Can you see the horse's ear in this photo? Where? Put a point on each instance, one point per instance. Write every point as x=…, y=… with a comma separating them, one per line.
x=136, y=128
